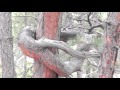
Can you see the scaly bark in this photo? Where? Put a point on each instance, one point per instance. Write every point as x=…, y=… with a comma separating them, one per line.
x=6, y=42
x=38, y=49
x=112, y=34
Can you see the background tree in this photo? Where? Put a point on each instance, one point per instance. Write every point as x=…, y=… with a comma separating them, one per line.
x=6, y=42
x=23, y=64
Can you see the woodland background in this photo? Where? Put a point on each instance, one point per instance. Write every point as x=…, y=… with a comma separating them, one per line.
x=23, y=65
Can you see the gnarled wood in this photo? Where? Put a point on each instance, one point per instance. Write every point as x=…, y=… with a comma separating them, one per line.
x=27, y=40
x=37, y=49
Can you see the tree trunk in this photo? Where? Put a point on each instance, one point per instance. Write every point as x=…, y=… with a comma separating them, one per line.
x=111, y=37
x=25, y=61
x=38, y=67
x=50, y=31
x=43, y=50
x=6, y=42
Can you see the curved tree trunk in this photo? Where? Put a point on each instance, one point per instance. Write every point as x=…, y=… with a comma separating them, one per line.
x=43, y=50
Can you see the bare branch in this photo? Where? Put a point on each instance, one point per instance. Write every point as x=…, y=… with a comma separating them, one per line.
x=90, y=13
x=93, y=27
x=93, y=63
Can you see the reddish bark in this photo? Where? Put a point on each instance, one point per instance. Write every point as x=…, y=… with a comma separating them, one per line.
x=110, y=51
x=30, y=53
x=47, y=65
x=49, y=31
x=45, y=57
x=51, y=20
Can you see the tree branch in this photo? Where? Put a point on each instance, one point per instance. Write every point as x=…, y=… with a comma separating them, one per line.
x=26, y=38
x=89, y=19
x=98, y=26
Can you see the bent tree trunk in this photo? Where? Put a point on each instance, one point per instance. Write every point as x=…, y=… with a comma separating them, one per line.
x=6, y=42
x=112, y=41
x=43, y=50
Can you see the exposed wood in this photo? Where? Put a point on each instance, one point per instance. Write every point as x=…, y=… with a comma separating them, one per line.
x=43, y=49
x=38, y=66
x=26, y=39
x=37, y=49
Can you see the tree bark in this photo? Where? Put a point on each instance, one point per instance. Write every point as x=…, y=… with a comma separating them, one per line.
x=43, y=50
x=25, y=61
x=111, y=37
x=38, y=66
x=41, y=54
x=50, y=31
x=6, y=42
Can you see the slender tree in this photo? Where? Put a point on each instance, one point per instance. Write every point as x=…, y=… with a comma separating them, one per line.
x=6, y=42
x=25, y=61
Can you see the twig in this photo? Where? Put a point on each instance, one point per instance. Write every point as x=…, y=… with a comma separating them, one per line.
x=88, y=18
x=98, y=26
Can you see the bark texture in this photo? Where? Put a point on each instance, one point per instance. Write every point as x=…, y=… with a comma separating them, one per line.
x=111, y=37
x=38, y=66
x=44, y=49
x=6, y=42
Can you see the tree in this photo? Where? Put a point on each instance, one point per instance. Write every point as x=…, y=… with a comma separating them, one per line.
x=25, y=62
x=19, y=20
x=41, y=70
x=6, y=42
x=111, y=45
x=41, y=49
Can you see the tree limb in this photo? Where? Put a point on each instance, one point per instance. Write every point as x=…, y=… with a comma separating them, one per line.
x=26, y=38
x=93, y=27
x=89, y=19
